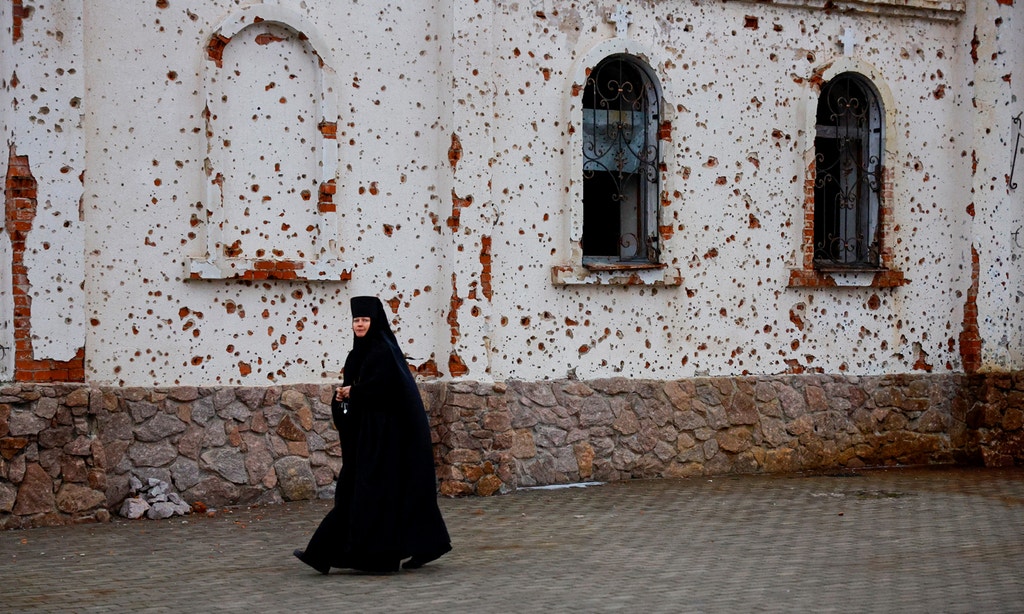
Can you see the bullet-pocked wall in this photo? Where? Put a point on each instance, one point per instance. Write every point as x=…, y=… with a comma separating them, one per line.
x=250, y=166
x=42, y=275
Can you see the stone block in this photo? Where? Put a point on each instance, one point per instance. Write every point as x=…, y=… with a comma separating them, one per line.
x=46, y=408
x=584, y=454
x=288, y=430
x=8, y=495
x=159, y=427
x=79, y=446
x=133, y=508
x=229, y=463
x=1013, y=419
x=523, y=445
x=156, y=454
x=140, y=411
x=295, y=479
x=35, y=493
x=76, y=498
x=23, y=422
x=185, y=473
x=488, y=485
x=450, y=488
x=73, y=469
x=11, y=446
x=79, y=397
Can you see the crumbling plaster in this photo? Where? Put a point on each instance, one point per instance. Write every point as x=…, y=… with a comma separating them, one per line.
x=456, y=197
x=41, y=89
x=997, y=222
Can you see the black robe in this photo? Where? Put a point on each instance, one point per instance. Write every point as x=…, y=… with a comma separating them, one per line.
x=385, y=504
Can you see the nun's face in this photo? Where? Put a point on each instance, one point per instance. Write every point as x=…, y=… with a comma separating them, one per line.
x=361, y=326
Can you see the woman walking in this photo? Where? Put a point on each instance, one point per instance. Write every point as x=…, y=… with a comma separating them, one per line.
x=385, y=503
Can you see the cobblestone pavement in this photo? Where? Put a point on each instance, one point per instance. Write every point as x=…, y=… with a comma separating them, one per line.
x=921, y=540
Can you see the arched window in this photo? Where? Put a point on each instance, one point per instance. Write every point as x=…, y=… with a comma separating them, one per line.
x=621, y=162
x=848, y=167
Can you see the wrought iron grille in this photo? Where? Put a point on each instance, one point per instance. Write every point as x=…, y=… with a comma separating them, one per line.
x=620, y=163
x=848, y=174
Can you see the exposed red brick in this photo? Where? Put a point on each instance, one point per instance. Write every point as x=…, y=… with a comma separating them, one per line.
x=325, y=201
x=795, y=318
x=456, y=367
x=329, y=130
x=428, y=369
x=18, y=13
x=453, y=313
x=458, y=204
x=20, y=211
x=665, y=131
x=485, y=263
x=922, y=363
x=455, y=151
x=266, y=38
x=215, y=49
x=970, y=339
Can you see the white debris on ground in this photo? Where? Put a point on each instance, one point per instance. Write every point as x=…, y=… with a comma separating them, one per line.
x=154, y=500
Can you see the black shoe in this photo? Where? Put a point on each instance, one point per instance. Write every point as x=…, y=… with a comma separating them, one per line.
x=300, y=554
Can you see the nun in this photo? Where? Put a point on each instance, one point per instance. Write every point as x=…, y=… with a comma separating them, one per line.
x=385, y=513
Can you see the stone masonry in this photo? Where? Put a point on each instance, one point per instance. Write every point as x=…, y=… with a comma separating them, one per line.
x=69, y=452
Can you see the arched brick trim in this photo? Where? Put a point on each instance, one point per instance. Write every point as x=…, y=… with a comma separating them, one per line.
x=804, y=273
x=570, y=270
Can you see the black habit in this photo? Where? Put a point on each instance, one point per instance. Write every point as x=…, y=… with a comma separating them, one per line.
x=385, y=503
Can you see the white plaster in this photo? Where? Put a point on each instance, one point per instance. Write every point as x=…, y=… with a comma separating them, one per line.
x=42, y=121
x=499, y=76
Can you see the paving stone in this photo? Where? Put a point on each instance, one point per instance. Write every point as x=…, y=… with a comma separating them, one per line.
x=909, y=541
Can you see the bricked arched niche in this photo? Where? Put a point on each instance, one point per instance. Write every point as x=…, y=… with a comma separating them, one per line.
x=808, y=270
x=272, y=153
x=580, y=268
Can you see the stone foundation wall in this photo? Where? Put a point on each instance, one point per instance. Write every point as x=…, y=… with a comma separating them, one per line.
x=67, y=452
x=498, y=437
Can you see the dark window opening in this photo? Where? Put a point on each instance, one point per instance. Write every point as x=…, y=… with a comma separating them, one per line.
x=620, y=163
x=848, y=175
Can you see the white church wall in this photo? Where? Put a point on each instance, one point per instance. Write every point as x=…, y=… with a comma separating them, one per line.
x=455, y=195
x=998, y=221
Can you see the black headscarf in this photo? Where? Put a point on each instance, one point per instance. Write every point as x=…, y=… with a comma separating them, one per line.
x=380, y=327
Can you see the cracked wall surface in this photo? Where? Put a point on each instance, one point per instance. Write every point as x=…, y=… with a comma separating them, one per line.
x=426, y=154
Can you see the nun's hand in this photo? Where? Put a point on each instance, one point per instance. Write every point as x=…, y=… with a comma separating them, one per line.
x=340, y=394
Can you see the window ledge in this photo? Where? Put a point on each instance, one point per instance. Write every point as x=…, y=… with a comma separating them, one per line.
x=846, y=278
x=608, y=274
x=326, y=269
x=610, y=265
x=939, y=10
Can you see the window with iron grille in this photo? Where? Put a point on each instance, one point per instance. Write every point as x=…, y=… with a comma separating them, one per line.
x=848, y=175
x=621, y=164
